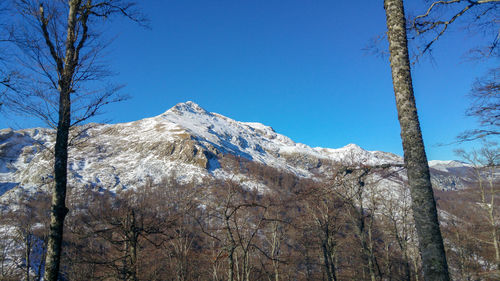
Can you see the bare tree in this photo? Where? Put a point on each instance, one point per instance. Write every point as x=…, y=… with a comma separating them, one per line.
x=399, y=227
x=485, y=107
x=58, y=50
x=326, y=210
x=275, y=234
x=474, y=17
x=486, y=163
x=353, y=184
x=123, y=236
x=423, y=204
x=356, y=185
x=478, y=16
x=6, y=78
x=27, y=227
x=466, y=234
x=8, y=266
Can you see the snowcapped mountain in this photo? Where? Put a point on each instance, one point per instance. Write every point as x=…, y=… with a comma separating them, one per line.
x=186, y=143
x=448, y=166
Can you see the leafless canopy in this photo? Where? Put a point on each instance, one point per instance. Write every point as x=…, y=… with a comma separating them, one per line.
x=6, y=78
x=37, y=34
x=478, y=15
x=485, y=106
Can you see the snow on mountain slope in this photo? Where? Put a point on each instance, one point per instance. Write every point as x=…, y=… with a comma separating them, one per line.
x=186, y=142
x=446, y=166
x=256, y=141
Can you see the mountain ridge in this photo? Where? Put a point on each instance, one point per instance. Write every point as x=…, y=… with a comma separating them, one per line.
x=185, y=142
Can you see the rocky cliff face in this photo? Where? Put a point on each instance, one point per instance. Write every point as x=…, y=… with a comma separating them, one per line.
x=186, y=143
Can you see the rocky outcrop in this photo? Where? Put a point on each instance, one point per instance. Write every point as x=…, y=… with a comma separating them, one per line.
x=304, y=161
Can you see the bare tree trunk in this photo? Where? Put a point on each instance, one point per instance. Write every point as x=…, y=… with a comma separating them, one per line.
x=275, y=246
x=329, y=259
x=404, y=250
x=366, y=250
x=423, y=204
x=495, y=242
x=38, y=275
x=415, y=265
x=230, y=259
x=373, y=259
x=326, y=262
x=371, y=265
x=491, y=210
x=364, y=235
x=332, y=255
x=461, y=256
x=387, y=262
x=407, y=267
x=27, y=244
x=58, y=209
x=246, y=266
x=132, y=249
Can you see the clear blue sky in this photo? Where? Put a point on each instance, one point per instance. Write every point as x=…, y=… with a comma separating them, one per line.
x=297, y=66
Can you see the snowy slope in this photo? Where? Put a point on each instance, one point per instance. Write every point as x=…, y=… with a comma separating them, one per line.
x=447, y=166
x=186, y=143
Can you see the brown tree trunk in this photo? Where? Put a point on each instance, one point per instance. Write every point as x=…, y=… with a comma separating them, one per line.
x=423, y=204
x=133, y=243
x=491, y=213
x=58, y=212
x=495, y=245
x=415, y=265
x=326, y=262
x=332, y=255
x=329, y=258
x=230, y=259
x=58, y=208
x=27, y=253
x=407, y=267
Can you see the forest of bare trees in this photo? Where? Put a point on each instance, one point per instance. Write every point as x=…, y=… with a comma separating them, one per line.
x=347, y=229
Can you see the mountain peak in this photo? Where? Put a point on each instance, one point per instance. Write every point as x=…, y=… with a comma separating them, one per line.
x=353, y=146
x=188, y=106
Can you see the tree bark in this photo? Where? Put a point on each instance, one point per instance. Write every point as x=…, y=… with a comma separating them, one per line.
x=27, y=253
x=495, y=243
x=230, y=259
x=58, y=208
x=423, y=204
x=491, y=211
x=326, y=262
